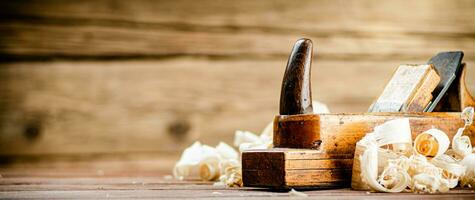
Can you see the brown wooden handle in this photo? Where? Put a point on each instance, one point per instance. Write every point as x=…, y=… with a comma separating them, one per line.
x=296, y=94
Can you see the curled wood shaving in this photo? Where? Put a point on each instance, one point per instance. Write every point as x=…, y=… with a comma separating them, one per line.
x=431, y=143
x=226, y=152
x=231, y=173
x=431, y=167
x=461, y=145
x=451, y=169
x=422, y=183
x=468, y=179
x=394, y=178
x=202, y=161
x=209, y=168
x=241, y=137
x=187, y=166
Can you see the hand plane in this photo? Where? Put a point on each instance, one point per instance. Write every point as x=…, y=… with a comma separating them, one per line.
x=316, y=150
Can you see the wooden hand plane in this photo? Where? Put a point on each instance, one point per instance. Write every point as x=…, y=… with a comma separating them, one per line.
x=316, y=150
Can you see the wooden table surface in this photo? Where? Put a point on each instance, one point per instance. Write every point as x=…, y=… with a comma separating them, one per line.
x=149, y=179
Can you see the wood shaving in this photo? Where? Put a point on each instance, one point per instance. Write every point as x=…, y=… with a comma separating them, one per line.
x=451, y=169
x=241, y=137
x=227, y=152
x=319, y=107
x=202, y=161
x=431, y=143
x=430, y=168
x=394, y=178
x=461, y=145
x=295, y=193
x=422, y=183
x=468, y=179
x=221, y=163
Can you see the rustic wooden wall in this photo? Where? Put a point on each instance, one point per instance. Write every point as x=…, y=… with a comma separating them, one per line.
x=113, y=77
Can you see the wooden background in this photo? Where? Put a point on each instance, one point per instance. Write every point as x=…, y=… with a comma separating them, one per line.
x=130, y=78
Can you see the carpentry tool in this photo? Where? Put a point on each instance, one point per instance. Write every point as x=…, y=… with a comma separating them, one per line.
x=316, y=150
x=417, y=88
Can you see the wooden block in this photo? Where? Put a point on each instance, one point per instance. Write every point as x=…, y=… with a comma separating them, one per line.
x=283, y=168
x=409, y=90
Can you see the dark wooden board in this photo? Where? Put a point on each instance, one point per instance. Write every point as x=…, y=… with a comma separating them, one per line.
x=120, y=181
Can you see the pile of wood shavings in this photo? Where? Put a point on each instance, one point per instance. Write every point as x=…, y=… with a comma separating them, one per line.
x=223, y=163
x=429, y=166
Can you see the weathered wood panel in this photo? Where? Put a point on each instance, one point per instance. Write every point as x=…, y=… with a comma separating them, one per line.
x=120, y=106
x=341, y=30
x=191, y=70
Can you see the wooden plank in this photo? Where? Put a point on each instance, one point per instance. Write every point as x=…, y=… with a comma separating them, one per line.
x=218, y=194
x=252, y=13
x=157, y=187
x=161, y=105
x=358, y=30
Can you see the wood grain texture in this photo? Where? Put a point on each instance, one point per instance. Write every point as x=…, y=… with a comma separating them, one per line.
x=153, y=76
x=296, y=92
x=158, y=188
x=281, y=168
x=409, y=90
x=338, y=133
x=121, y=106
x=423, y=94
x=120, y=179
x=362, y=29
x=130, y=106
